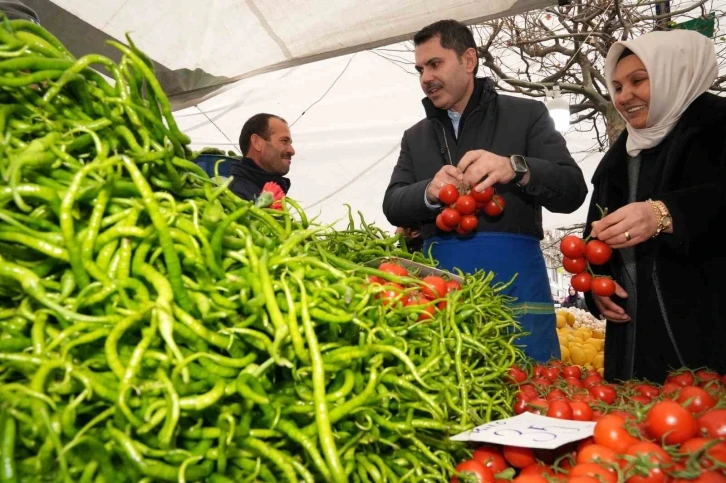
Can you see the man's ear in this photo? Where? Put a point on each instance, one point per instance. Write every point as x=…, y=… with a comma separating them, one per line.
x=256, y=142
x=470, y=60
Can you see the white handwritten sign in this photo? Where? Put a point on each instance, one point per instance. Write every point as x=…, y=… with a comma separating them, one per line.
x=529, y=430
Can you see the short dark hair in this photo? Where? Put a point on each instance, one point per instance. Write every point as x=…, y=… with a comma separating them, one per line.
x=258, y=124
x=626, y=53
x=452, y=35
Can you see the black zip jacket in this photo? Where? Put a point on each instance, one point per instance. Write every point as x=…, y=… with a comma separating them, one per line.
x=503, y=125
x=249, y=179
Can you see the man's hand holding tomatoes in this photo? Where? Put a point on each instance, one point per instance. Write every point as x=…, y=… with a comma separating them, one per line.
x=609, y=309
x=483, y=169
x=446, y=175
x=632, y=224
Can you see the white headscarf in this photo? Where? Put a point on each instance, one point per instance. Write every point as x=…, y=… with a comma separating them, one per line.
x=681, y=66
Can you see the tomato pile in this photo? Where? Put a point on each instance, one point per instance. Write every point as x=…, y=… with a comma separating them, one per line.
x=644, y=433
x=460, y=212
x=427, y=296
x=578, y=255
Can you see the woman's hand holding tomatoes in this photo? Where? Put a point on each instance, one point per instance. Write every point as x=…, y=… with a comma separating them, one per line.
x=638, y=220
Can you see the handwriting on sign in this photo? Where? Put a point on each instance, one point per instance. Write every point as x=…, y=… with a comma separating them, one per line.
x=530, y=431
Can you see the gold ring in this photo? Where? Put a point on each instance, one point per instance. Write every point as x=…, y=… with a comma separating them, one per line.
x=627, y=236
x=441, y=185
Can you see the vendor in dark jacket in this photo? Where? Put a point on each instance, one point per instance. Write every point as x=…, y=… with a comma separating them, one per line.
x=266, y=143
x=474, y=138
x=664, y=184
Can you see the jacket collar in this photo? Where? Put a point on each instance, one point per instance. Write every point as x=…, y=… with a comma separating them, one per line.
x=246, y=168
x=483, y=93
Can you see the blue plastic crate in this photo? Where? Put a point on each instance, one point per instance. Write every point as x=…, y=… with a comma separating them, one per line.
x=208, y=161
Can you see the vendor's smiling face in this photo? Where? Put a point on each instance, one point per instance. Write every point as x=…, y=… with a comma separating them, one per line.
x=445, y=77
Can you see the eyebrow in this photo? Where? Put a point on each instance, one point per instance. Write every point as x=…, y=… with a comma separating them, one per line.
x=634, y=72
x=429, y=62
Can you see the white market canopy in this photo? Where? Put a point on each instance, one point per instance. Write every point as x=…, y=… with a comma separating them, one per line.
x=200, y=46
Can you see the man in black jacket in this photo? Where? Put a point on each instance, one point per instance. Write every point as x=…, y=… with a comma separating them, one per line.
x=474, y=138
x=266, y=143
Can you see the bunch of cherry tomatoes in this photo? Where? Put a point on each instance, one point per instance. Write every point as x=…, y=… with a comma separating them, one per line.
x=425, y=297
x=460, y=212
x=578, y=255
x=644, y=433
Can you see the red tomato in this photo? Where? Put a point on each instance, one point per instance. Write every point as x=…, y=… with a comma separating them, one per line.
x=716, y=452
x=448, y=194
x=516, y=375
x=582, y=282
x=461, y=231
x=670, y=422
x=560, y=409
x=647, y=390
x=466, y=204
x=490, y=457
x=695, y=399
x=704, y=377
x=472, y=470
x=427, y=314
x=452, y=285
x=712, y=424
x=392, y=294
x=450, y=217
x=603, y=393
x=483, y=196
x=495, y=206
x=520, y=404
x=393, y=268
x=574, y=265
x=572, y=371
x=603, y=286
x=469, y=223
x=704, y=477
x=670, y=389
x=538, y=370
x=640, y=399
x=530, y=478
x=538, y=469
x=551, y=374
x=373, y=280
x=434, y=287
x=683, y=379
x=556, y=395
x=572, y=246
x=519, y=457
x=441, y=225
x=592, y=380
x=597, y=252
x=574, y=383
x=581, y=411
x=649, y=455
x=610, y=432
x=538, y=406
x=594, y=452
x=594, y=470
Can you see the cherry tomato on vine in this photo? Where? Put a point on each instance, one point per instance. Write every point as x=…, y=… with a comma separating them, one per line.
x=468, y=223
x=466, y=204
x=670, y=422
x=473, y=470
x=603, y=286
x=450, y=217
x=495, y=206
x=598, y=252
x=483, y=196
x=582, y=282
x=434, y=287
x=572, y=246
x=448, y=194
x=441, y=225
x=574, y=265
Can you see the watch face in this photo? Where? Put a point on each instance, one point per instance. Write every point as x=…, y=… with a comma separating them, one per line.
x=520, y=165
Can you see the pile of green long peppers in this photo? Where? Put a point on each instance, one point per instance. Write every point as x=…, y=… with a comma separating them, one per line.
x=153, y=327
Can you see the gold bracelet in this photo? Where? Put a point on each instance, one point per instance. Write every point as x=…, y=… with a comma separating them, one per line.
x=661, y=212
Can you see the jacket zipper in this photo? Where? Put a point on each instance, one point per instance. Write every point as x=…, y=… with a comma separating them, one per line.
x=661, y=304
x=443, y=131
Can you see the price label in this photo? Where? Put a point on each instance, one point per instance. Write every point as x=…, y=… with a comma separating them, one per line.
x=529, y=430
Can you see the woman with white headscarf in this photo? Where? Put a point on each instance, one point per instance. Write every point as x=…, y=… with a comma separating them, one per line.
x=663, y=183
